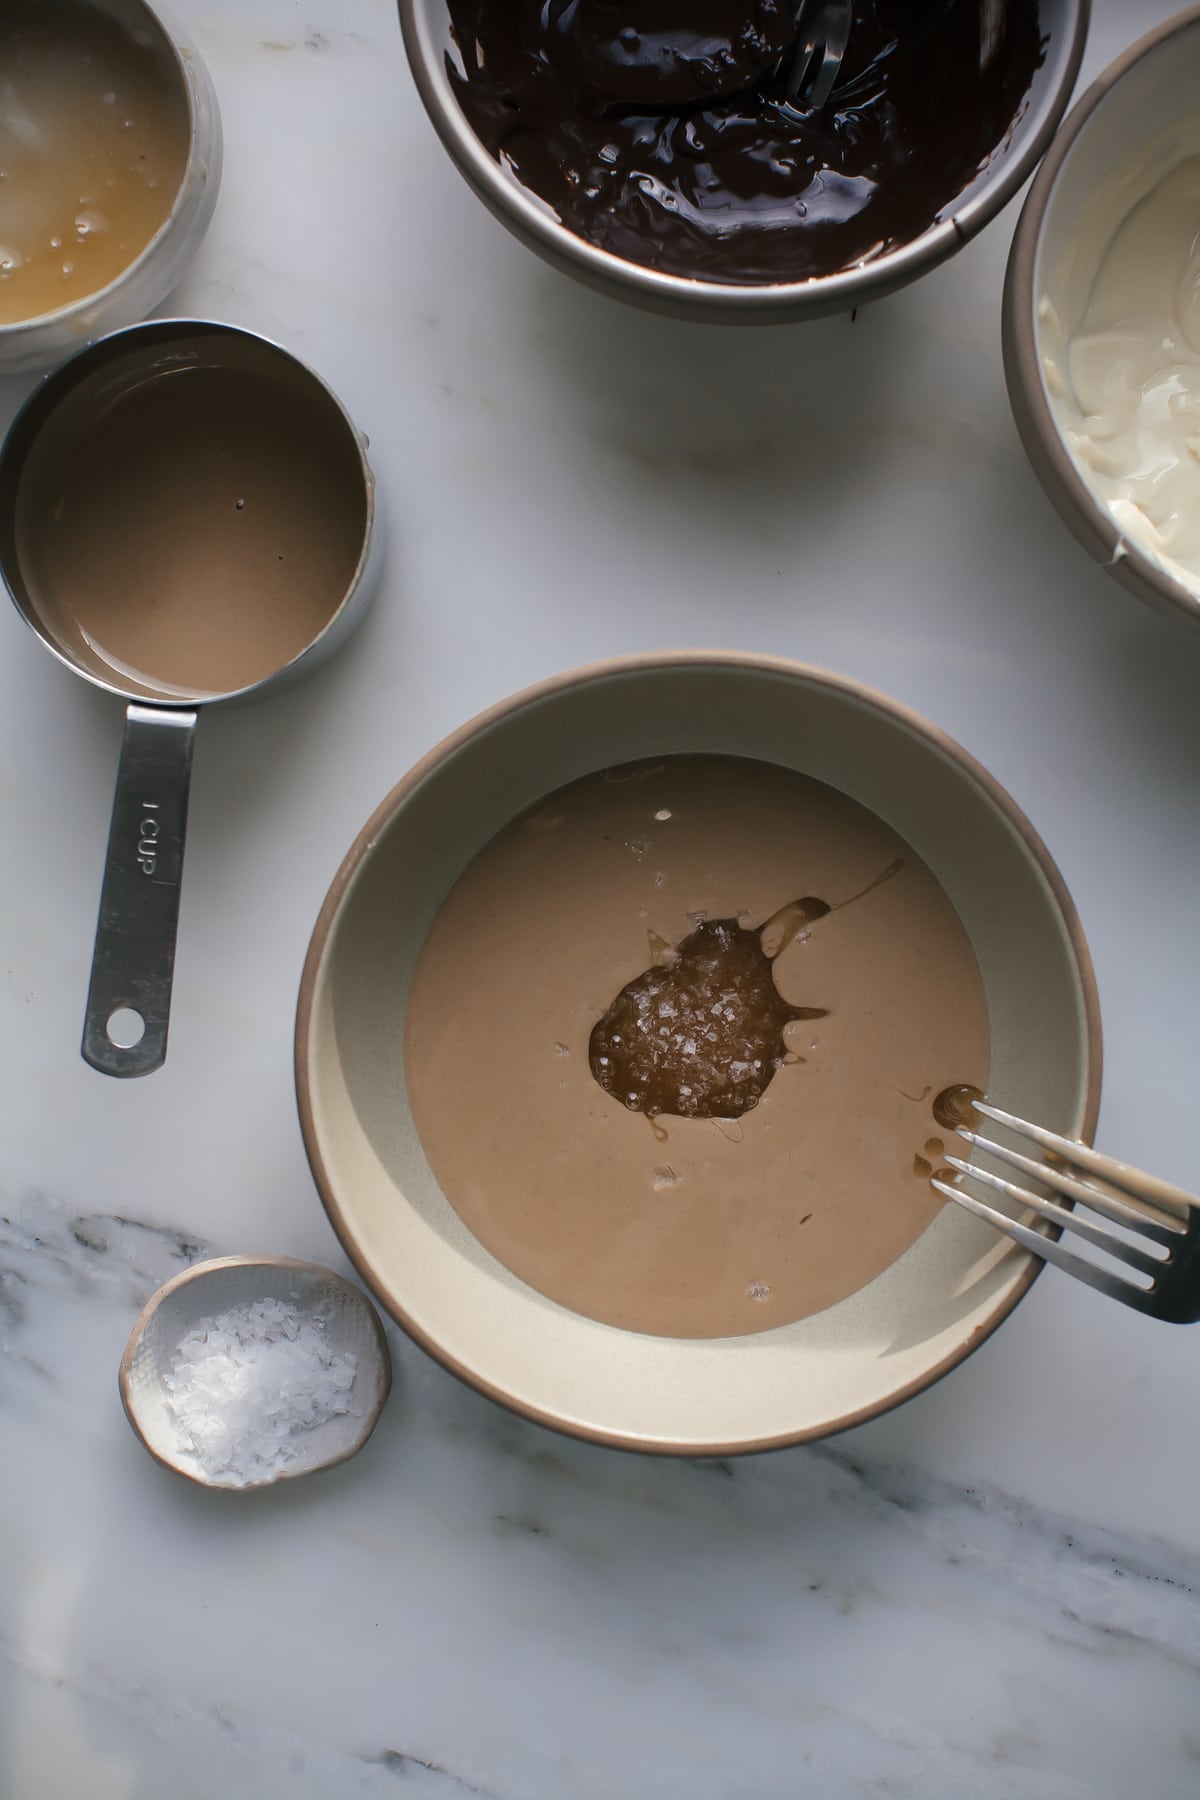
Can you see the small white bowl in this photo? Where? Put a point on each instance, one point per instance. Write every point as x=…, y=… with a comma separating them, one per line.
x=40, y=342
x=1127, y=131
x=210, y=1288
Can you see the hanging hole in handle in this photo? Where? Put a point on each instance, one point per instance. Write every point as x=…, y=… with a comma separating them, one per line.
x=126, y=1028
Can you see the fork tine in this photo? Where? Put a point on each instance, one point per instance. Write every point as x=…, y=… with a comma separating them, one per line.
x=1111, y=1206
x=822, y=29
x=1051, y=1251
x=806, y=47
x=837, y=21
x=1148, y=1188
x=1099, y=1235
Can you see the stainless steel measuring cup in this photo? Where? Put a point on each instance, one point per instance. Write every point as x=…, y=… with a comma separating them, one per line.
x=124, y=484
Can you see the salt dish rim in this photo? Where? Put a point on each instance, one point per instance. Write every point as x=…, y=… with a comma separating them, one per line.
x=300, y=1267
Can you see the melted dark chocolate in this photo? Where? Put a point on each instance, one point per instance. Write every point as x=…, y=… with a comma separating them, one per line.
x=679, y=53
x=604, y=108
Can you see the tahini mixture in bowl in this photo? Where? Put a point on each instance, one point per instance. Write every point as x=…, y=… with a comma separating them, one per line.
x=674, y=1044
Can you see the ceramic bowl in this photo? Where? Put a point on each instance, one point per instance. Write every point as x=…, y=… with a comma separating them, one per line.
x=1093, y=175
x=200, y=1294
x=713, y=1396
x=40, y=342
x=431, y=53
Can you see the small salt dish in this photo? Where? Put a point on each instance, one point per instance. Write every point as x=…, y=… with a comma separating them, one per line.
x=214, y=1322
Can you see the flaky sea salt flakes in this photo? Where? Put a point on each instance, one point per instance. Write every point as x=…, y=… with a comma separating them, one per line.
x=246, y=1386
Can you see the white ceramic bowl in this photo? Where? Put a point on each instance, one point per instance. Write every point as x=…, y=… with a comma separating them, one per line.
x=1094, y=174
x=201, y=1294
x=40, y=342
x=696, y=1396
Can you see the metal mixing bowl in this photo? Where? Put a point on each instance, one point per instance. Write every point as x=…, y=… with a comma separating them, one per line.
x=429, y=44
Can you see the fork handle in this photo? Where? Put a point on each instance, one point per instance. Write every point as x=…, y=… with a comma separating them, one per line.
x=1175, y=1201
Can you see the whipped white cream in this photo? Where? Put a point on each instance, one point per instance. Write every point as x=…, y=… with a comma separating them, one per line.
x=1124, y=377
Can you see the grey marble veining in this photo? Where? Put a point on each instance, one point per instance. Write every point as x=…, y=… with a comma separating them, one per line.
x=477, y=1602
x=990, y=1594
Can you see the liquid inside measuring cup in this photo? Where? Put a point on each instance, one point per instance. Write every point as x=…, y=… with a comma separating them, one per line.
x=191, y=531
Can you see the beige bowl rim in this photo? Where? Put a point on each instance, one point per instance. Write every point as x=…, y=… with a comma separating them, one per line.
x=483, y=721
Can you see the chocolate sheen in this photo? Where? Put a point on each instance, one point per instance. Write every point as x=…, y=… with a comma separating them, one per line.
x=662, y=133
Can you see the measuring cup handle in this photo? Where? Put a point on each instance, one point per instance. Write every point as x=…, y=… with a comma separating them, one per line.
x=134, y=956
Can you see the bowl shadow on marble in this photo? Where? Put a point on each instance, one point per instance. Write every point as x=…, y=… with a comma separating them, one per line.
x=742, y=435
x=1122, y=662
x=693, y=1397
x=149, y=1534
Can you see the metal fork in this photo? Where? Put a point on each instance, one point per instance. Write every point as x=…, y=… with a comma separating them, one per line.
x=1150, y=1210
x=822, y=33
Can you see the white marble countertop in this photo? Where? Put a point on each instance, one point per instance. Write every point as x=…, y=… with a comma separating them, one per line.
x=992, y=1592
